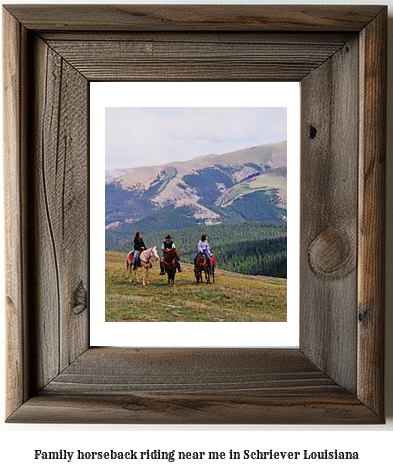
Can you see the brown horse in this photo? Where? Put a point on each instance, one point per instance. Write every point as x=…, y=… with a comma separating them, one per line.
x=202, y=265
x=169, y=261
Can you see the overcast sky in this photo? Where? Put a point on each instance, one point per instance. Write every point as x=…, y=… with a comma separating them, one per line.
x=136, y=136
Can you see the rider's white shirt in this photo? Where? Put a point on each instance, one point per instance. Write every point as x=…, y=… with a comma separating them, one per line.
x=163, y=246
x=203, y=245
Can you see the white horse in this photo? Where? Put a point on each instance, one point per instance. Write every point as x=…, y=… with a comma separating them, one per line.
x=145, y=258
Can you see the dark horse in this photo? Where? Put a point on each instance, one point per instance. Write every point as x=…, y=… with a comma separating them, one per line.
x=202, y=265
x=169, y=261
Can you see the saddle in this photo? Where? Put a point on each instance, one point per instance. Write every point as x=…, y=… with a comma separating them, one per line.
x=169, y=256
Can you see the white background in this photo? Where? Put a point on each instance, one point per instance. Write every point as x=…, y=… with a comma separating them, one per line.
x=186, y=94
x=374, y=443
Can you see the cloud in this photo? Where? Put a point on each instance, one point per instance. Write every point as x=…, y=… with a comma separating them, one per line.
x=148, y=136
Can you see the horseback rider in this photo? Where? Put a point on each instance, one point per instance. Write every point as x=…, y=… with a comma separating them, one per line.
x=166, y=247
x=203, y=247
x=139, y=246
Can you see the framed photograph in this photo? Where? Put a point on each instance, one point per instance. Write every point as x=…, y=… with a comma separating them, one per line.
x=188, y=160
x=53, y=58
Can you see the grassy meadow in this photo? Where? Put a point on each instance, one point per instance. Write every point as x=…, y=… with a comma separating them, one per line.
x=231, y=298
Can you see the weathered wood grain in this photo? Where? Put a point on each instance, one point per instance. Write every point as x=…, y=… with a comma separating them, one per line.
x=195, y=17
x=238, y=409
x=207, y=371
x=201, y=37
x=45, y=328
x=193, y=386
x=371, y=246
x=60, y=230
x=329, y=169
x=179, y=60
x=14, y=152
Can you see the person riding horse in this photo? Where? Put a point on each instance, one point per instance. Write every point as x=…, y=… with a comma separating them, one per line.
x=167, y=246
x=139, y=245
x=203, y=247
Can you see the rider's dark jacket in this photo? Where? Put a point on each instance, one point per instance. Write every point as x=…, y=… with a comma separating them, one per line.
x=139, y=244
x=168, y=245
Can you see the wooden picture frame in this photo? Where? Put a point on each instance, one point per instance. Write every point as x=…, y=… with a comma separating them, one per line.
x=338, y=54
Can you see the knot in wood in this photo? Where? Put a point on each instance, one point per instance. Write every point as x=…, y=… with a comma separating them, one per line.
x=363, y=316
x=80, y=299
x=313, y=132
x=330, y=254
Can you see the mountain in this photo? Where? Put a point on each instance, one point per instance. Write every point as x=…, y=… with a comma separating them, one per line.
x=240, y=186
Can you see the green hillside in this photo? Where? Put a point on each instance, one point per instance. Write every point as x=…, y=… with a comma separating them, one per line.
x=231, y=298
x=252, y=248
x=253, y=206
